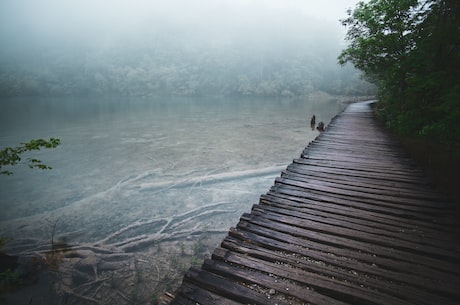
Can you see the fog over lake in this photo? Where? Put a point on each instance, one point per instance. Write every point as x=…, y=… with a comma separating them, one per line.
x=174, y=117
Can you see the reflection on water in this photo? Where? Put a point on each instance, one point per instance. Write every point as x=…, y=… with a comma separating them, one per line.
x=141, y=189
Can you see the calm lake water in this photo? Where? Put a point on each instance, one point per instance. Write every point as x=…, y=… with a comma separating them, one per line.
x=143, y=178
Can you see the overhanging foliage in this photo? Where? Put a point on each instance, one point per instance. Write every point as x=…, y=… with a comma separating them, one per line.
x=411, y=50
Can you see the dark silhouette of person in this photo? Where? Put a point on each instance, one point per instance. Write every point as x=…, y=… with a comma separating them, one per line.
x=320, y=126
x=313, y=122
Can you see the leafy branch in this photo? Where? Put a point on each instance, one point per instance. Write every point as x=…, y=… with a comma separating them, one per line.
x=11, y=156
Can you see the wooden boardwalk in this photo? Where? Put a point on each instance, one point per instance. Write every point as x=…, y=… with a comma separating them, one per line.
x=352, y=221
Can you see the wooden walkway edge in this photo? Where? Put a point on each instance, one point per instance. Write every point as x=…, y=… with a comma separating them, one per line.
x=352, y=221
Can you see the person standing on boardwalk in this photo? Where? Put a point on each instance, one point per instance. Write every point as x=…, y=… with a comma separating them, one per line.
x=313, y=122
x=320, y=126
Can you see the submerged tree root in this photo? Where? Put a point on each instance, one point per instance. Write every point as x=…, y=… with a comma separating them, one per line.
x=114, y=271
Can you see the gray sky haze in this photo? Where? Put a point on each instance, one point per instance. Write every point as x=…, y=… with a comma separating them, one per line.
x=87, y=18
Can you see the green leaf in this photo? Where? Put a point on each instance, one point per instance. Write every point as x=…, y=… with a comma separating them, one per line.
x=10, y=156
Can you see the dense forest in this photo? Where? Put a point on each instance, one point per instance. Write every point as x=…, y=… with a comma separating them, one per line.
x=278, y=53
x=411, y=50
x=170, y=71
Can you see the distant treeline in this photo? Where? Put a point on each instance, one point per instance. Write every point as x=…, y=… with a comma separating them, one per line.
x=170, y=71
x=411, y=50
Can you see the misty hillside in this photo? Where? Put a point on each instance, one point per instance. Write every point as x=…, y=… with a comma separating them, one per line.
x=188, y=52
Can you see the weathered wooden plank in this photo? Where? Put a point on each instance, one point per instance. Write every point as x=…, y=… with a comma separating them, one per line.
x=381, y=140
x=341, y=156
x=179, y=299
x=362, y=204
x=315, y=248
x=366, y=227
x=227, y=287
x=398, y=195
x=341, y=242
x=331, y=145
x=362, y=193
x=435, y=215
x=369, y=235
x=341, y=273
x=392, y=188
x=318, y=170
x=439, y=216
x=369, y=136
x=349, y=211
x=240, y=241
x=357, y=216
x=383, y=212
x=190, y=294
x=337, y=149
x=366, y=165
x=302, y=163
x=365, y=192
x=272, y=277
